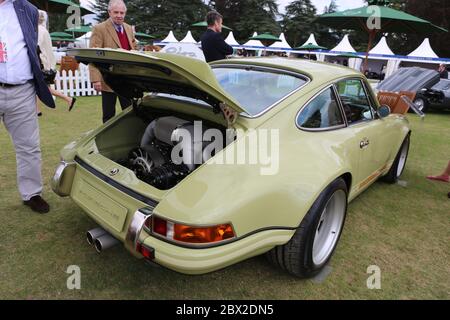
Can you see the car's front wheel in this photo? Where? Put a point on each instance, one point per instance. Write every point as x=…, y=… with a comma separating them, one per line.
x=314, y=242
x=421, y=104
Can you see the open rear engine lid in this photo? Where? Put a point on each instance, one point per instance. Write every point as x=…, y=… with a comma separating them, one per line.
x=130, y=74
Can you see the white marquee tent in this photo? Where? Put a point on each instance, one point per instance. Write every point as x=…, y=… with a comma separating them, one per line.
x=188, y=38
x=231, y=40
x=169, y=39
x=424, y=56
x=280, y=46
x=344, y=46
x=381, y=59
x=253, y=43
x=424, y=50
x=311, y=39
x=382, y=48
x=83, y=41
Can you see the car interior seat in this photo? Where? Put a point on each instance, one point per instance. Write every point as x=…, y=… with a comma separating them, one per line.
x=393, y=100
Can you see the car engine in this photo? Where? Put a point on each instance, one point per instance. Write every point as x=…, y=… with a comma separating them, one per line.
x=152, y=161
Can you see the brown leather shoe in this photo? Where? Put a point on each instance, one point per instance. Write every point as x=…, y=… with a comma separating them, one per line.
x=37, y=204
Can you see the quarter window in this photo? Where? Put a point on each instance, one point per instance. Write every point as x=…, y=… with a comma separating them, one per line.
x=354, y=101
x=321, y=113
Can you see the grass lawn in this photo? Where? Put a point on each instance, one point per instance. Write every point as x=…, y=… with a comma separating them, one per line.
x=403, y=230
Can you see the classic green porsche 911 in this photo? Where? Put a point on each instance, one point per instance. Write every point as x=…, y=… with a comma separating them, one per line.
x=216, y=163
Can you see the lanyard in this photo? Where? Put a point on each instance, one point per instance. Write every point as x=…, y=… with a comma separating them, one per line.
x=3, y=45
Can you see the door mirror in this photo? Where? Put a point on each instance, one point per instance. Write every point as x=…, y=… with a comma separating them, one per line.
x=384, y=111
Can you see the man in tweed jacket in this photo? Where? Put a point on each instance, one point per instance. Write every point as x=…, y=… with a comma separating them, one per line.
x=113, y=33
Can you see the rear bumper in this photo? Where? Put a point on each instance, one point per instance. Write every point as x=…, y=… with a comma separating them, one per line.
x=123, y=216
x=200, y=261
x=112, y=208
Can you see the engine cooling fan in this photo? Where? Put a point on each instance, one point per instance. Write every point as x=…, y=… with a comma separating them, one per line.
x=140, y=163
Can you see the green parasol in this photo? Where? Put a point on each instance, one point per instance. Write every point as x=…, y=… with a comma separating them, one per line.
x=60, y=35
x=310, y=47
x=266, y=39
x=141, y=35
x=375, y=18
x=350, y=56
x=62, y=39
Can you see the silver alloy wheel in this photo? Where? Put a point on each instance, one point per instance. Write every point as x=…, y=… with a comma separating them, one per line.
x=402, y=159
x=329, y=227
x=420, y=103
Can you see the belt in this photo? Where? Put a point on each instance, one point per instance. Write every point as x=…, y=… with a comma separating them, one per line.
x=9, y=85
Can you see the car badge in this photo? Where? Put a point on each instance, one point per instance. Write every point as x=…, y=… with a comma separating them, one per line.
x=113, y=172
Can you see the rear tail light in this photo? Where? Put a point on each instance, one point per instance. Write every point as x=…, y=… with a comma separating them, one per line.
x=147, y=253
x=159, y=226
x=195, y=235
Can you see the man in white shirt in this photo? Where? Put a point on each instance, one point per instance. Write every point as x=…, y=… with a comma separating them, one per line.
x=20, y=80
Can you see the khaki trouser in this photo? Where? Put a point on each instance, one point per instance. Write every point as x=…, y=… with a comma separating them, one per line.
x=18, y=112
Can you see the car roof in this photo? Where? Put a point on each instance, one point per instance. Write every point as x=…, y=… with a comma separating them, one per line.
x=315, y=70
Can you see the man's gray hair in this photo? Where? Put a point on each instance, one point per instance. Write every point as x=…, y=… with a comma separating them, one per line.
x=113, y=3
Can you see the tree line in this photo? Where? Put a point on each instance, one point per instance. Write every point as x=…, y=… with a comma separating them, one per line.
x=158, y=17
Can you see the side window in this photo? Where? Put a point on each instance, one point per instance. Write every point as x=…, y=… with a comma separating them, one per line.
x=322, y=112
x=354, y=101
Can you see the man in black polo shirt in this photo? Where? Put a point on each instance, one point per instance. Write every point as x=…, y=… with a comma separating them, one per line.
x=213, y=45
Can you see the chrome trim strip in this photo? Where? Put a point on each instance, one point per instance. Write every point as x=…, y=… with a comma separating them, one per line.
x=135, y=228
x=56, y=179
x=369, y=99
x=341, y=105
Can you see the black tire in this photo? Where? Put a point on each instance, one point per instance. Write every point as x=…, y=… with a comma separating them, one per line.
x=395, y=173
x=421, y=103
x=296, y=256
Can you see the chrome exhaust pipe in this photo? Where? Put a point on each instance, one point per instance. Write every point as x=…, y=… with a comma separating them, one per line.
x=104, y=242
x=93, y=234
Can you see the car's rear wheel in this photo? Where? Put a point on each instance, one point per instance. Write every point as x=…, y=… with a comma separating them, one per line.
x=399, y=163
x=315, y=240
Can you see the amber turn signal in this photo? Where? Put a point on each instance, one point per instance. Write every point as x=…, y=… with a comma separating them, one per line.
x=190, y=234
x=202, y=234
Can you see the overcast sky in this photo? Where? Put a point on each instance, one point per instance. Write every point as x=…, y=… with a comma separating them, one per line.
x=320, y=4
